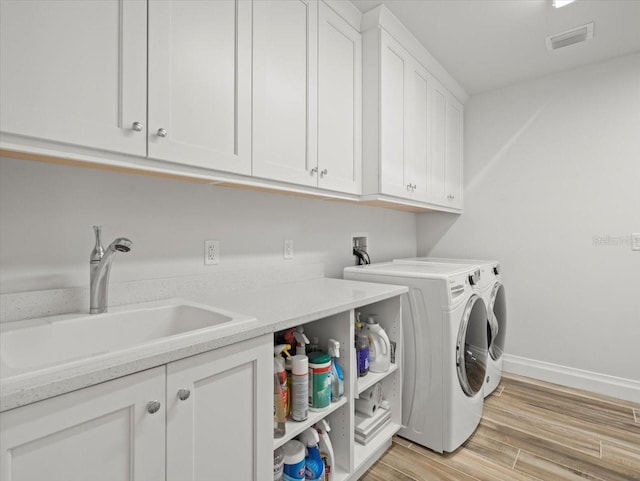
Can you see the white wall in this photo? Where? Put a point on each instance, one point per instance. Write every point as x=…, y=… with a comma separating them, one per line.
x=47, y=212
x=549, y=166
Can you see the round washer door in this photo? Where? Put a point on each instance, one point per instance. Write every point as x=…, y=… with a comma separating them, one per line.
x=497, y=321
x=471, y=347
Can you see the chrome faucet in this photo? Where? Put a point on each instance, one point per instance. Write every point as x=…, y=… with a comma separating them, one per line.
x=100, y=266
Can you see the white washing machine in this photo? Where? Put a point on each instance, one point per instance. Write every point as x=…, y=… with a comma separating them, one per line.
x=445, y=349
x=493, y=294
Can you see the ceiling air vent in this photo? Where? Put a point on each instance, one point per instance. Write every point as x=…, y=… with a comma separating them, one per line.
x=570, y=37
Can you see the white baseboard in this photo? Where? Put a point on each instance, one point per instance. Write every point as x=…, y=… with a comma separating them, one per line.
x=617, y=387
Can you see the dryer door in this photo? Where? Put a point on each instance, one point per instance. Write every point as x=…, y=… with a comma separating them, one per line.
x=497, y=321
x=471, y=347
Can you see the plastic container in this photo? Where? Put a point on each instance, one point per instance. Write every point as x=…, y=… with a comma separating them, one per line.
x=319, y=380
x=379, y=345
x=301, y=341
x=294, y=465
x=314, y=465
x=337, y=375
x=362, y=349
x=278, y=464
x=299, y=388
x=279, y=419
x=326, y=448
x=279, y=370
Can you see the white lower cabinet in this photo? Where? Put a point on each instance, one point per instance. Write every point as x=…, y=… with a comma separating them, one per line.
x=208, y=416
x=203, y=417
x=102, y=433
x=219, y=414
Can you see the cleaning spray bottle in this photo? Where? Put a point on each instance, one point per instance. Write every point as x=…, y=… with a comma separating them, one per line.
x=337, y=376
x=326, y=448
x=279, y=419
x=279, y=370
x=301, y=341
x=314, y=466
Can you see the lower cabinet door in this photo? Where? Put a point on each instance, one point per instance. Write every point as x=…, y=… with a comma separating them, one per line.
x=107, y=432
x=219, y=414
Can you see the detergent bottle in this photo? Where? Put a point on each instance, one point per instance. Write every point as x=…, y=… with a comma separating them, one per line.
x=326, y=448
x=314, y=466
x=362, y=348
x=379, y=345
x=337, y=375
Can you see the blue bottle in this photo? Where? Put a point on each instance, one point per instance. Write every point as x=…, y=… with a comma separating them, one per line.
x=314, y=465
x=337, y=376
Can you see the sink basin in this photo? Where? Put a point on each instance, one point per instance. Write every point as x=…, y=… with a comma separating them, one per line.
x=64, y=341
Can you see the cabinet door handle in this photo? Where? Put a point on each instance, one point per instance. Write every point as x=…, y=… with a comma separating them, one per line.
x=137, y=127
x=183, y=394
x=408, y=187
x=414, y=187
x=153, y=407
x=324, y=172
x=162, y=132
x=314, y=171
x=451, y=197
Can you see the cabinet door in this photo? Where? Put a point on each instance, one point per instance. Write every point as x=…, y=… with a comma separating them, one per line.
x=75, y=72
x=101, y=433
x=224, y=428
x=339, y=103
x=200, y=83
x=285, y=90
x=446, y=165
x=393, y=60
x=417, y=136
x=453, y=171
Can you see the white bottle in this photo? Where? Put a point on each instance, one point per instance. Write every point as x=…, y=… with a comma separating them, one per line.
x=326, y=448
x=379, y=346
x=299, y=388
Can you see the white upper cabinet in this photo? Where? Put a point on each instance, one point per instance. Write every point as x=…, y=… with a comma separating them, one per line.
x=75, y=72
x=446, y=165
x=285, y=82
x=339, y=103
x=200, y=83
x=307, y=96
x=404, y=121
x=412, y=123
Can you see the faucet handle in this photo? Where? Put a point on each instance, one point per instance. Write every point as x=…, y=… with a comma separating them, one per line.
x=98, y=250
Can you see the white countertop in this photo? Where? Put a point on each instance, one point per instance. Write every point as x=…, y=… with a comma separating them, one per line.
x=276, y=307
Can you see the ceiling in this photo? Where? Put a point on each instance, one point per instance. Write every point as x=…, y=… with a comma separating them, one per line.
x=487, y=44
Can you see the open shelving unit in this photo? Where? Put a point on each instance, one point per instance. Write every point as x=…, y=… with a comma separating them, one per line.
x=352, y=459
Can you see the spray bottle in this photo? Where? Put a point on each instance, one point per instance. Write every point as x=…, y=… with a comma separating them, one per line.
x=279, y=419
x=326, y=448
x=301, y=341
x=337, y=375
x=314, y=466
x=279, y=370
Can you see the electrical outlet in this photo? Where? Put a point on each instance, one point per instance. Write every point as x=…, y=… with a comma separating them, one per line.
x=635, y=242
x=288, y=249
x=211, y=252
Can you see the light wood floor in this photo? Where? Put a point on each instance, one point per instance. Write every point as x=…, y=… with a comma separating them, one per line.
x=533, y=431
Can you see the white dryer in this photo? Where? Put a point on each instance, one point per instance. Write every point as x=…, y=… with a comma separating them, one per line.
x=493, y=294
x=445, y=349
